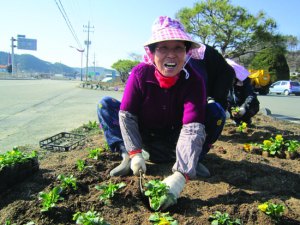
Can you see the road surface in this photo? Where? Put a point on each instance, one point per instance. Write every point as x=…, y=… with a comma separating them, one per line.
x=32, y=110
x=281, y=106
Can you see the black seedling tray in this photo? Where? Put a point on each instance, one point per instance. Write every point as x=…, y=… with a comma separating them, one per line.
x=10, y=177
x=63, y=141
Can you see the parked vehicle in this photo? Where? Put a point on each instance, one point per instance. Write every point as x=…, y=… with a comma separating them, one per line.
x=260, y=80
x=285, y=87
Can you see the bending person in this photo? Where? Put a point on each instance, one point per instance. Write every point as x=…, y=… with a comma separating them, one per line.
x=219, y=77
x=242, y=95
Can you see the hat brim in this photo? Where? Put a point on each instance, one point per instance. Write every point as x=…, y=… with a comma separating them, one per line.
x=171, y=35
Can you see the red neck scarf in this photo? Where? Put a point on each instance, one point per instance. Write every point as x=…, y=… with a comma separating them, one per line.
x=165, y=82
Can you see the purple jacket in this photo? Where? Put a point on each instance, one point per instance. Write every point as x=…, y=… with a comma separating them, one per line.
x=146, y=104
x=157, y=107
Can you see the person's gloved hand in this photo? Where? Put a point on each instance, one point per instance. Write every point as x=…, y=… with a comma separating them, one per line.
x=210, y=100
x=123, y=168
x=176, y=183
x=137, y=163
x=240, y=113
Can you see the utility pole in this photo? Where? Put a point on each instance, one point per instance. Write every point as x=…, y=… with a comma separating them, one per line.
x=94, y=68
x=12, y=57
x=61, y=67
x=87, y=43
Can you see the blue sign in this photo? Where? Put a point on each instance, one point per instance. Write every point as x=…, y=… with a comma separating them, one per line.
x=27, y=44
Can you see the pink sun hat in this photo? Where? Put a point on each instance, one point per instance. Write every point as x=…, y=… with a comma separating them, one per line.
x=241, y=72
x=165, y=28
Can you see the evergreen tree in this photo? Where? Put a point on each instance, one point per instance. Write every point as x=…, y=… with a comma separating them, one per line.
x=229, y=28
x=272, y=59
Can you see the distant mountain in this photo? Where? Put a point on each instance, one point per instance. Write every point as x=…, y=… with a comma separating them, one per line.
x=32, y=64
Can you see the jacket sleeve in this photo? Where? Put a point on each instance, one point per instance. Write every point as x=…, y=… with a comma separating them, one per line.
x=129, y=109
x=130, y=131
x=188, y=149
x=251, y=103
x=220, y=76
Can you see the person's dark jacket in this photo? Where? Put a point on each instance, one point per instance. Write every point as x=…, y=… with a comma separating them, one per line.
x=244, y=96
x=220, y=75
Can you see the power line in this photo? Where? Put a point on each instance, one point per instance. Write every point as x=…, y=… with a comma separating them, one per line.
x=64, y=14
x=76, y=12
x=75, y=36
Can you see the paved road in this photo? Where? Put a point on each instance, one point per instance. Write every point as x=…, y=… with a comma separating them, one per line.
x=281, y=106
x=32, y=110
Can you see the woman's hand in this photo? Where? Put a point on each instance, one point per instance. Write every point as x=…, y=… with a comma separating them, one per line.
x=124, y=168
x=137, y=163
x=176, y=183
x=239, y=113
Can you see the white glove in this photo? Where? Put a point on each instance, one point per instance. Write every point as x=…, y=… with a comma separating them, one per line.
x=137, y=163
x=242, y=111
x=176, y=183
x=123, y=168
x=227, y=115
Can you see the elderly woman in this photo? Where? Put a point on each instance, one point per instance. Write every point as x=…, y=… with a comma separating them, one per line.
x=162, y=112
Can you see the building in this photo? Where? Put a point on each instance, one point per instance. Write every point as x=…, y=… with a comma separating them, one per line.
x=3, y=69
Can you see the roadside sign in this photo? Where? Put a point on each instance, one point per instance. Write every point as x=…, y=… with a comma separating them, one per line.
x=27, y=44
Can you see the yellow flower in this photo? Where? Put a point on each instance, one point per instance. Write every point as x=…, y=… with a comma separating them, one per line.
x=263, y=207
x=13, y=152
x=237, y=109
x=278, y=137
x=244, y=125
x=247, y=147
x=1, y=158
x=163, y=221
x=219, y=122
x=267, y=143
x=100, y=105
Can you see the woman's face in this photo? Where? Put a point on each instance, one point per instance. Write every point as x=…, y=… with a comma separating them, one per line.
x=169, y=57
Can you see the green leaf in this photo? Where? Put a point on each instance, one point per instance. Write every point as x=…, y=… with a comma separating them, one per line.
x=154, y=217
x=156, y=205
x=57, y=190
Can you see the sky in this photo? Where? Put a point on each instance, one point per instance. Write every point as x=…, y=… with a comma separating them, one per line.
x=117, y=27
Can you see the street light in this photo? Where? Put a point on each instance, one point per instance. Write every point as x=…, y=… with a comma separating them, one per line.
x=81, y=60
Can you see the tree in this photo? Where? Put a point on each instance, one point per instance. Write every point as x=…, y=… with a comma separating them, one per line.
x=124, y=68
x=293, y=55
x=9, y=69
x=135, y=56
x=229, y=28
x=272, y=59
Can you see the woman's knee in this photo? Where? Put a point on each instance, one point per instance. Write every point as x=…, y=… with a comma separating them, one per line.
x=105, y=101
x=215, y=110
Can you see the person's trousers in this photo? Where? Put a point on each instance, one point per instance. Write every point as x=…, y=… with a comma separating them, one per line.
x=160, y=144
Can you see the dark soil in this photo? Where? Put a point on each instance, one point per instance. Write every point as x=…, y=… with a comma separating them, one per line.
x=240, y=182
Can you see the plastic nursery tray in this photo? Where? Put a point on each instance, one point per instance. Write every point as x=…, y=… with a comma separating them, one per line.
x=17, y=173
x=63, y=141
